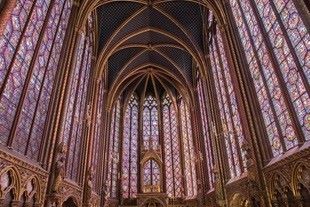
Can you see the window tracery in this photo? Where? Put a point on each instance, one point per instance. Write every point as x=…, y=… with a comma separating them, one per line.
x=206, y=130
x=98, y=135
x=151, y=177
x=275, y=39
x=172, y=149
x=188, y=150
x=75, y=120
x=114, y=156
x=130, y=149
x=231, y=123
x=29, y=54
x=150, y=123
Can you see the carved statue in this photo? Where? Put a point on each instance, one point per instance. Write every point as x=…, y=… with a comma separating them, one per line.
x=218, y=185
x=59, y=171
x=89, y=186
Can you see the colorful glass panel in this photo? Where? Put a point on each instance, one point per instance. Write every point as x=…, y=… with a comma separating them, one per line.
x=130, y=149
x=30, y=48
x=279, y=65
x=113, y=164
x=172, y=149
x=189, y=152
x=150, y=123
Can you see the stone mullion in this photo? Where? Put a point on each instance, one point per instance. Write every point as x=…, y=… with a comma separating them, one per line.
x=264, y=82
x=224, y=120
x=129, y=150
x=102, y=142
x=162, y=144
x=208, y=123
x=105, y=164
x=61, y=79
x=185, y=127
x=201, y=153
x=91, y=111
x=171, y=145
x=261, y=150
x=89, y=131
x=237, y=89
x=225, y=83
x=86, y=129
x=181, y=145
x=73, y=36
x=105, y=140
x=290, y=46
x=140, y=143
x=8, y=72
x=29, y=75
x=40, y=93
x=220, y=157
x=113, y=139
x=120, y=145
x=276, y=65
x=74, y=102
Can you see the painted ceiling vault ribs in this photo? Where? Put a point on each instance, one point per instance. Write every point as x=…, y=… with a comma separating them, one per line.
x=161, y=33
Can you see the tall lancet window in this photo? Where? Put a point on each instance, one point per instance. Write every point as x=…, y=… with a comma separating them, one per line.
x=189, y=151
x=130, y=149
x=30, y=47
x=74, y=122
x=172, y=149
x=150, y=123
x=277, y=50
x=231, y=125
x=206, y=129
x=113, y=161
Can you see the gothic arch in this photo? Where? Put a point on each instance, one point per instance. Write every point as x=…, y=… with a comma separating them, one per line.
x=125, y=79
x=301, y=181
x=280, y=189
x=152, y=200
x=70, y=201
x=14, y=181
x=238, y=200
x=35, y=192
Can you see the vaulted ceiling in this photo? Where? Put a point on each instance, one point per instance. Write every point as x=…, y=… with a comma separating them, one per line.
x=159, y=35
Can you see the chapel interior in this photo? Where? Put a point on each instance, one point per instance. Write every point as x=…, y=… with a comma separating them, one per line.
x=154, y=103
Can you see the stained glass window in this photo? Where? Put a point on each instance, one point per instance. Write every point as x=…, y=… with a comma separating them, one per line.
x=231, y=124
x=114, y=157
x=29, y=53
x=130, y=149
x=74, y=121
x=189, y=151
x=206, y=130
x=150, y=123
x=276, y=45
x=151, y=176
x=172, y=149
